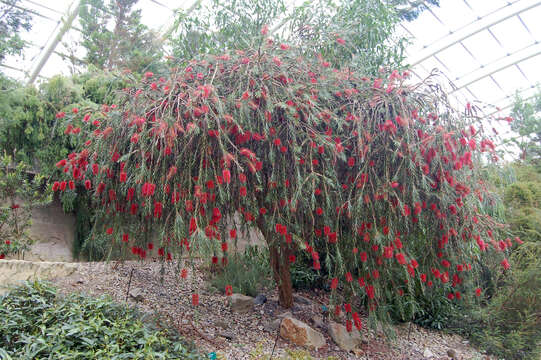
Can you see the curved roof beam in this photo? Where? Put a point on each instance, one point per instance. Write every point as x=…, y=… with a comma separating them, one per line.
x=483, y=23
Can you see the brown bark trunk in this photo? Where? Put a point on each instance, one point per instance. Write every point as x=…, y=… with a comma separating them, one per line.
x=280, y=270
x=279, y=262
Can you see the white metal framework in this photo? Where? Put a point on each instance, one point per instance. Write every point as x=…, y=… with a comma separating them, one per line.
x=487, y=50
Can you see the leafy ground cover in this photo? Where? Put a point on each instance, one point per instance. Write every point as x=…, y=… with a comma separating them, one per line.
x=37, y=323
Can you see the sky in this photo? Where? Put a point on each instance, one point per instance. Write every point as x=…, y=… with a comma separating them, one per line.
x=486, y=59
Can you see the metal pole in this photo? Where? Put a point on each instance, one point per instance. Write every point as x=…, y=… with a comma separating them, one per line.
x=72, y=13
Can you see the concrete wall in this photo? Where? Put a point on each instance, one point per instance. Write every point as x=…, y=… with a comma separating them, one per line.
x=54, y=232
x=13, y=272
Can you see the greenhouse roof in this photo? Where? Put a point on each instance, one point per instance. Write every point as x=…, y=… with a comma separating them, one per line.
x=486, y=50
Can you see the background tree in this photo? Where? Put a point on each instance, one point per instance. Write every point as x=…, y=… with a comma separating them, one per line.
x=527, y=123
x=115, y=38
x=13, y=20
x=368, y=26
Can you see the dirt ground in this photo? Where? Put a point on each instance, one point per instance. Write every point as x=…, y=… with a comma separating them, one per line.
x=213, y=327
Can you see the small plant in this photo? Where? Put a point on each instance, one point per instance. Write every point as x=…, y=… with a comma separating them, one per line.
x=19, y=196
x=247, y=273
x=37, y=323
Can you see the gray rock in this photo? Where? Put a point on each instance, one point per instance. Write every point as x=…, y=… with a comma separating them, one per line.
x=347, y=341
x=241, y=303
x=221, y=324
x=137, y=294
x=452, y=354
x=427, y=354
x=273, y=326
x=226, y=334
x=301, y=300
x=260, y=299
x=318, y=322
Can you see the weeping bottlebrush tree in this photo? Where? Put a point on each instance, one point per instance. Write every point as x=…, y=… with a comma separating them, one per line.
x=377, y=179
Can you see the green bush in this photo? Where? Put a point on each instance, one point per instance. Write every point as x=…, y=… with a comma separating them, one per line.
x=247, y=273
x=38, y=323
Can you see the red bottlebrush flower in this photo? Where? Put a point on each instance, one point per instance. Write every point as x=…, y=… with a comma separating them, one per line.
x=61, y=163
x=226, y=174
x=316, y=265
x=292, y=259
x=341, y=41
x=63, y=185
x=228, y=290
x=349, y=277
x=125, y=238
x=60, y=115
x=56, y=185
x=88, y=184
x=224, y=246
x=95, y=169
x=2, y=256
x=158, y=209
x=101, y=187
x=505, y=264
x=394, y=184
x=326, y=230
x=210, y=184
x=407, y=211
x=334, y=283
x=319, y=211
x=375, y=274
x=233, y=233
x=215, y=259
x=450, y=296
x=184, y=273
x=193, y=225
x=332, y=238
x=401, y=258
x=357, y=321
x=423, y=277
x=317, y=192
x=123, y=177
x=445, y=263
x=364, y=256
x=110, y=231
x=195, y=299
x=242, y=178
x=337, y=310
x=262, y=211
x=347, y=307
x=478, y=292
x=242, y=191
x=351, y=162
x=385, y=230
x=133, y=209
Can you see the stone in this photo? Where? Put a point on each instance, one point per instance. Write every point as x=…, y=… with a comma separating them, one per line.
x=221, y=324
x=284, y=315
x=301, y=334
x=347, y=341
x=452, y=354
x=260, y=299
x=137, y=294
x=427, y=354
x=272, y=326
x=318, y=322
x=301, y=300
x=241, y=303
x=226, y=334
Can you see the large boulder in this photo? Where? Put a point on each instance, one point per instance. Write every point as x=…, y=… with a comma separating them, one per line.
x=345, y=340
x=241, y=303
x=301, y=334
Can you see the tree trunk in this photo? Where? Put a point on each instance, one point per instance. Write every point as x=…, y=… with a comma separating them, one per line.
x=280, y=269
x=279, y=262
